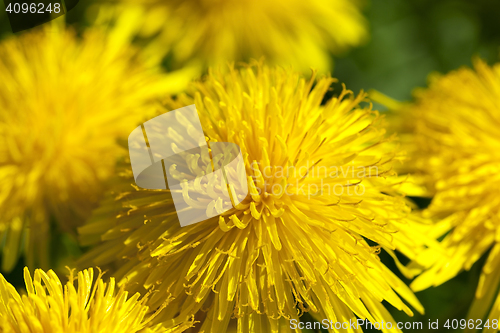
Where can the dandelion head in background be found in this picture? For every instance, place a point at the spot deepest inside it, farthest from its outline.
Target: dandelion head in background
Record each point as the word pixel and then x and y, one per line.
pixel 455 152
pixel 321 184
pixel 64 102
pixel 292 32
pixel 81 305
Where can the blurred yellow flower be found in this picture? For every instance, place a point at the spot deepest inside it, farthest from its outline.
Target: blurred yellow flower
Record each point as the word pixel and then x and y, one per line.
pixel 88 307
pixel 64 101
pixel 456 153
pixel 286 32
pixel 279 253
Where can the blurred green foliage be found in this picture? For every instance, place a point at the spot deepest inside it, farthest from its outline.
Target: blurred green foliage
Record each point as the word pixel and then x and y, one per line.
pixel 409 40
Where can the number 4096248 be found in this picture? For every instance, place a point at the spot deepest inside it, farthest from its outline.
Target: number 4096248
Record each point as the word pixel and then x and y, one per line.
pixel 33 8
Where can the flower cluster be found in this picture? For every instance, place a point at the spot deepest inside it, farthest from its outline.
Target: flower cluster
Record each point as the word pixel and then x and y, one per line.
pixel 295 234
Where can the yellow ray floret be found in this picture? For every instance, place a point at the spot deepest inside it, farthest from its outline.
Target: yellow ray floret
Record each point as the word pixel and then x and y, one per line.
pixel 455 151
pixel 86 306
pixel 64 101
pixel 291 32
pixel 321 189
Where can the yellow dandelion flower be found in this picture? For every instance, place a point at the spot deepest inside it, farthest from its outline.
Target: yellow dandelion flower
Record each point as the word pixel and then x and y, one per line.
pixel 456 152
pixel 89 306
pixel 291 32
pixel 64 101
pixel 321 185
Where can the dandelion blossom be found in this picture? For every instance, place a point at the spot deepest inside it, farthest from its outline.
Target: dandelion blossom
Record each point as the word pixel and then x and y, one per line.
pixel 456 151
pixel 321 185
pixel 64 101
pixel 88 306
pixel 294 32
